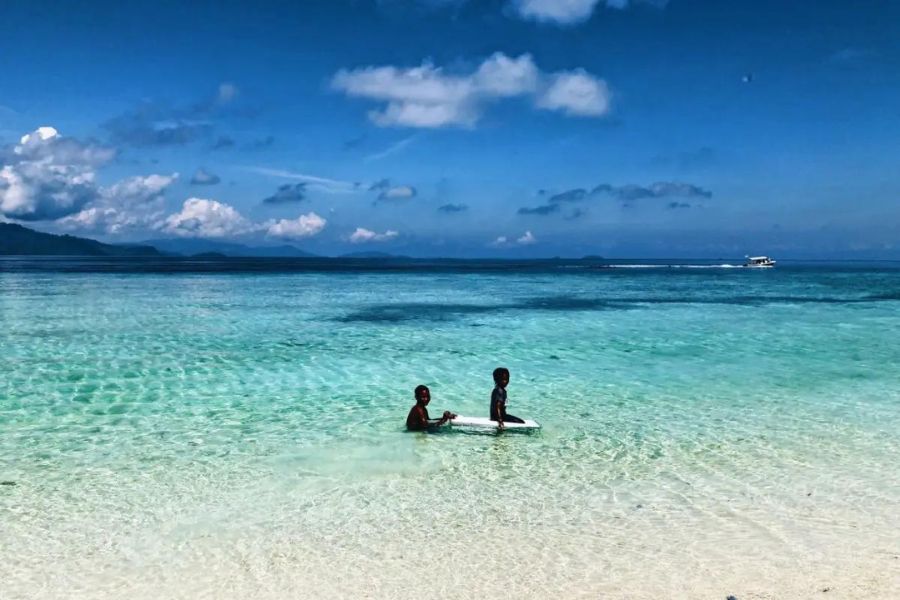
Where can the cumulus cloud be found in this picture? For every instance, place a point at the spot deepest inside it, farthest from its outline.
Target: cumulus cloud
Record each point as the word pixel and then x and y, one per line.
pixel 576 94
pixel 504 77
pixel 48 176
pixel 303 226
pixel 363 235
pixel 203 218
pixel 131 204
pixel 419 96
pixel 30 193
pixel 569 12
pixel 526 239
pixel 204 177
pixel 46 145
pixel 287 193
pixel 427 96
pixel 453 208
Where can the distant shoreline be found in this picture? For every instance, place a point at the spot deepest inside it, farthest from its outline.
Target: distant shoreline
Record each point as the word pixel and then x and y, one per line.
pixel 324 264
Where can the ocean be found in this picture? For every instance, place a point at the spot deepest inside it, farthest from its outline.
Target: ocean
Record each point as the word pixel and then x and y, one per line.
pixel 235 429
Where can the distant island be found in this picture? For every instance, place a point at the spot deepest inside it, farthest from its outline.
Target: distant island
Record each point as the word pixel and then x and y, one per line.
pixel 383 255
pixel 19 240
pixel 193 247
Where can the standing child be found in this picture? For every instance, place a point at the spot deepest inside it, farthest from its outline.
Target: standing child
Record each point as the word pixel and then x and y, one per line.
pixel 498 399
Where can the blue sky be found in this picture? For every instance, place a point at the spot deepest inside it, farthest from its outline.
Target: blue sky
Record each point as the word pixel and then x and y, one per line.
pixel 459 128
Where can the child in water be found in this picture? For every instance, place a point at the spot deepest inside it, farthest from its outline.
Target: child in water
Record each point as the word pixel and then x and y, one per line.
pixel 498 399
pixel 417 419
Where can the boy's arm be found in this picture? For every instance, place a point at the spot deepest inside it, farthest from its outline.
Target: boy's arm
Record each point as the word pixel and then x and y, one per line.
pixel 444 418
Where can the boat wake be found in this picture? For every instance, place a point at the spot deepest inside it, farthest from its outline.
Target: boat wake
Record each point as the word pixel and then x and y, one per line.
pixel 641 266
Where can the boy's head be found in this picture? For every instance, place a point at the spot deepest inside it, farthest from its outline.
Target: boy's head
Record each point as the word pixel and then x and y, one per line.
pixel 423 394
pixel 501 376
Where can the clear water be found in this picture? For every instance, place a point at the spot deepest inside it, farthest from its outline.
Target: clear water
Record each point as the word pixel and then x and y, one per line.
pixel 231 435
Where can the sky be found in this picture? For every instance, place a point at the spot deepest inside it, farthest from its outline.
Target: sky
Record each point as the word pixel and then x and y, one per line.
pixel 459 128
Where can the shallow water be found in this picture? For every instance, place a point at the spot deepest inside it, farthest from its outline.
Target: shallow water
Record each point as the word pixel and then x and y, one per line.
pixel 705 432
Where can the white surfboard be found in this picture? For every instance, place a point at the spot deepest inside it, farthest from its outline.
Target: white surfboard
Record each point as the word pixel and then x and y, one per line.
pixel 461 421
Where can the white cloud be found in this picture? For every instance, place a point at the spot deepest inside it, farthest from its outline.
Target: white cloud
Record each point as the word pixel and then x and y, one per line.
pixel 47 176
pixel 362 236
pixel 426 84
pixel 429 116
pixel 576 93
pixel 140 189
pixel 503 76
pixel 41 134
pixel 570 12
pixel 29 191
pixel 203 218
pixel 526 239
pixel 398 192
pixel 428 97
pixel 130 204
pixel 303 226
pixel 556 11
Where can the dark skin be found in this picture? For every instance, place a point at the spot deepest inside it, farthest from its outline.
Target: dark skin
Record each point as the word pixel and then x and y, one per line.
pixel 502 380
pixel 417 419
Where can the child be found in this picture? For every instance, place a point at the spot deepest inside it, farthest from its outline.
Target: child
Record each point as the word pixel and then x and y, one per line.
pixel 498 399
pixel 417 419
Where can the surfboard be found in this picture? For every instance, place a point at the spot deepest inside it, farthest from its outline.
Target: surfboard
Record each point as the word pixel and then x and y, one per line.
pixel 461 421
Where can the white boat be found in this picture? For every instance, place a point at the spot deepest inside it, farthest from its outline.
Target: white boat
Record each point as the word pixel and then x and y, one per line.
pixel 759 262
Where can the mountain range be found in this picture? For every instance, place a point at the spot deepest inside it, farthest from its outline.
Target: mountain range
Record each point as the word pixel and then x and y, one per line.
pixel 192 246
pixel 18 240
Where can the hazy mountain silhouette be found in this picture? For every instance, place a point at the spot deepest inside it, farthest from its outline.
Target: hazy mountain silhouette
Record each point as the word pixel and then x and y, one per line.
pixel 18 240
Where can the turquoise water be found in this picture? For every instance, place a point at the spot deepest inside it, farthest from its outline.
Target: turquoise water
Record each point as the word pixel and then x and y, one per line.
pixel 705 432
